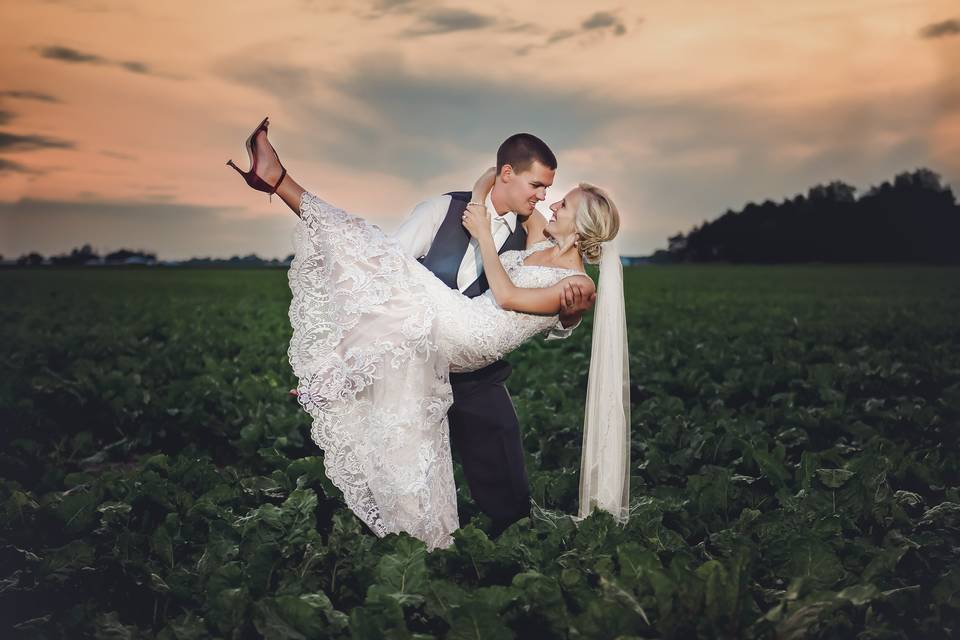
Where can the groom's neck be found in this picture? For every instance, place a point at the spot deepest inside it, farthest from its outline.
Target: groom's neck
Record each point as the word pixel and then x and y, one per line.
pixel 498 200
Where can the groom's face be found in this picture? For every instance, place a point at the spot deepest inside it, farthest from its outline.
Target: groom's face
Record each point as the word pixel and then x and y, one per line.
pixel 524 190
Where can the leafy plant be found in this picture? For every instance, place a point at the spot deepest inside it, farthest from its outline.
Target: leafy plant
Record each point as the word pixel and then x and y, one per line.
pixel 794 449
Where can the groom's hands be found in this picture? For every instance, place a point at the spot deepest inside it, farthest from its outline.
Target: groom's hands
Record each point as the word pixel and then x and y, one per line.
pixel 574 302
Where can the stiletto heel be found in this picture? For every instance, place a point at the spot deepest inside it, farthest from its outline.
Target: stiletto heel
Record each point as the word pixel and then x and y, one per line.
pixel 252 179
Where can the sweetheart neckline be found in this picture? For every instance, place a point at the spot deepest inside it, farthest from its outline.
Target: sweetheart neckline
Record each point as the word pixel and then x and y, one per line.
pixel 545 266
pixel 533 249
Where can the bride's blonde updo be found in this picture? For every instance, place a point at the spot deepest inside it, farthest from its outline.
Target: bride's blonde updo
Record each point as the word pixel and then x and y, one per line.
pixel 597 221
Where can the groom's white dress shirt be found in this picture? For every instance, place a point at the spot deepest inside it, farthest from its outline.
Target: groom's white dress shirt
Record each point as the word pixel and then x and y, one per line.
pixel 417 232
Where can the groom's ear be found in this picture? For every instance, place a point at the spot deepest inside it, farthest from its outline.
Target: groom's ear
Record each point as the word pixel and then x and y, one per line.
pixel 506 172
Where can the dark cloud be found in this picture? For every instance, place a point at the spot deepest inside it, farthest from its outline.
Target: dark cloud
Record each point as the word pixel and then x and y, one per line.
pixel 432 20
pixel 13 142
pixel 604 20
pixel 9 166
pixel 67 54
pixel 941 29
pixel 436 21
pixel 29 95
pixel 599 23
pixel 136 67
pixel 562 34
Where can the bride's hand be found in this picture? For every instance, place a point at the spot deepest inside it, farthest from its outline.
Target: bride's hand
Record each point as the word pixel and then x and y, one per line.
pixel 476 219
pixel 484 184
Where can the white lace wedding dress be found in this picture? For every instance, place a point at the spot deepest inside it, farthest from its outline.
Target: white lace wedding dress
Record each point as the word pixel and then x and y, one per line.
pixel 375 335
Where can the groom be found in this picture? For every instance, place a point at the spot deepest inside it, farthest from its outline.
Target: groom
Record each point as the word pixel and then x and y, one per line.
pixel 484 430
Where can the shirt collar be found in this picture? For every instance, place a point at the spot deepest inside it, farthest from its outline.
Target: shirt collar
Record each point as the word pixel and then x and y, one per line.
pixel 510 217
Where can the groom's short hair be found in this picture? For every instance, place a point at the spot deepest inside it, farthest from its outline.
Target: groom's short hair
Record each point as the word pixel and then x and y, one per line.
pixel 521 149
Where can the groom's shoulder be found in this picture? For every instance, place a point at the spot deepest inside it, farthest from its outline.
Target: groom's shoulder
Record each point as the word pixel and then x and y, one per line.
pixel 442 201
pixel 439 204
pixel 459 195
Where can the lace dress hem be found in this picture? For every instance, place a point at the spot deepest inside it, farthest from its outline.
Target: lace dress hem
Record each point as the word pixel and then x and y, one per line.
pixel 378 406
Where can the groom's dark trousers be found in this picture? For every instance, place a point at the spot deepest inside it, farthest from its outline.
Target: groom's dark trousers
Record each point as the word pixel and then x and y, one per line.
pixel 484 430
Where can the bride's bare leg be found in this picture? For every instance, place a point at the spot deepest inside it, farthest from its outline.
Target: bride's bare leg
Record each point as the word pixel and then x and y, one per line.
pixel 290 192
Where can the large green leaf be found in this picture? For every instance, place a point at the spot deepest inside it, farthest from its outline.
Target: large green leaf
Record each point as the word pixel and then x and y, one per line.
pixel 307 616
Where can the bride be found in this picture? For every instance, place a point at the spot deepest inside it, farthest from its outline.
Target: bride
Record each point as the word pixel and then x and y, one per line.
pixel 376 334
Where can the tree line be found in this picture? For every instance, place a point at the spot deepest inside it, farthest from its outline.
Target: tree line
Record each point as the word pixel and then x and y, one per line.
pixel 914 218
pixel 86 256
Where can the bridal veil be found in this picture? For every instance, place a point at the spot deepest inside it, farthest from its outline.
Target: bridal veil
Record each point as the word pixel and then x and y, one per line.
pixel 605 459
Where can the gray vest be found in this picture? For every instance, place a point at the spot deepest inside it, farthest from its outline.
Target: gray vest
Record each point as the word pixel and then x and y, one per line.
pixel 450 244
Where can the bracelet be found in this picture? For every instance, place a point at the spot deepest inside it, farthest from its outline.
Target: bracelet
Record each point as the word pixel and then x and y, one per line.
pixel 476 203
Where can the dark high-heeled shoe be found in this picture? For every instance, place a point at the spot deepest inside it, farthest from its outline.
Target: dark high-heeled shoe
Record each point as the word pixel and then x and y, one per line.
pixel 250 176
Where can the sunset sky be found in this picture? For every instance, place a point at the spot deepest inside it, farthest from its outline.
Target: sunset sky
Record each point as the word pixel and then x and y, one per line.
pixel 117 118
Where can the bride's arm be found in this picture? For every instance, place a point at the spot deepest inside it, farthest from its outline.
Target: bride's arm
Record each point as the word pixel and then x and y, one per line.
pixel 541 300
pixel 484 185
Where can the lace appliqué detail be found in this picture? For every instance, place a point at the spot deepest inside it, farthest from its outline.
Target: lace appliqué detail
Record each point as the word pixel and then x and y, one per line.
pixel 363 331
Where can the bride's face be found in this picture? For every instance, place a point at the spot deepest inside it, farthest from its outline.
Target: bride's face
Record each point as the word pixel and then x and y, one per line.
pixel 563 223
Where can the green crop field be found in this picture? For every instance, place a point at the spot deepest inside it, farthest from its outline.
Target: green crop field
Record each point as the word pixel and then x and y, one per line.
pixel 796 469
